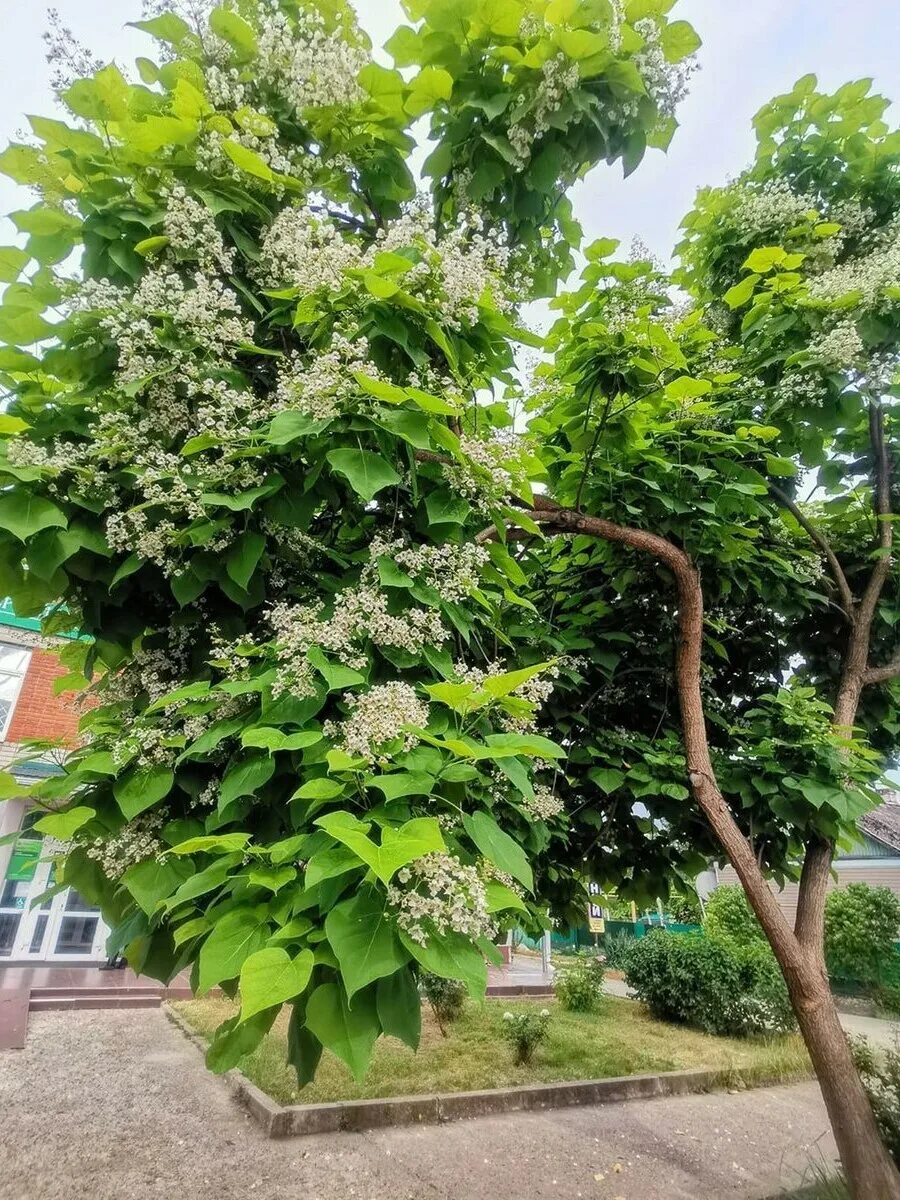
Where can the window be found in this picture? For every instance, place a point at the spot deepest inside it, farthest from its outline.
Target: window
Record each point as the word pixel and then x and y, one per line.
pixel 13 665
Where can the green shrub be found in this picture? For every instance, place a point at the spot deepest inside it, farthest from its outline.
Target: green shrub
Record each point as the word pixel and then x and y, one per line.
pixel 446 997
pixel 880 1074
pixel 525 1031
pixel 710 983
pixel 615 949
pixel 861 923
pixel 685 907
pixel 579 984
pixel 729 915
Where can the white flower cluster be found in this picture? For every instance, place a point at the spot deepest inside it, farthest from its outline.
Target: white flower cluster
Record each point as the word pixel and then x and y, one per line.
pixel 839 347
pixel 440 895
pixel 802 388
pixel 494 467
pixel 136 841
pixel 325 386
pixel 305 64
pixel 453 571
pixel 865 275
pixel 559 76
pixel 377 717
pixel 68 58
pixel 543 805
pixel 454 271
pixel 193 234
pixel 359 614
pixel 666 83
pixel 773 207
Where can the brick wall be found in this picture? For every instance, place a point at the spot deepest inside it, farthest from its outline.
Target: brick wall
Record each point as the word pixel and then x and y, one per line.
pixel 39 713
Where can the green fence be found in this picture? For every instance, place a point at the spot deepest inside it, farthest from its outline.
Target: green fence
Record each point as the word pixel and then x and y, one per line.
pixel 582 939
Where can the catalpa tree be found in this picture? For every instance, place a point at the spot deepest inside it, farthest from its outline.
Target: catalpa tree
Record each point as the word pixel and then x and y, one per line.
pixel 251 435
pixel 732 591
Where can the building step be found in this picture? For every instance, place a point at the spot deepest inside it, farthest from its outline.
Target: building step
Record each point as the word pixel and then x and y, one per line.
pixel 97 1000
pixel 88 990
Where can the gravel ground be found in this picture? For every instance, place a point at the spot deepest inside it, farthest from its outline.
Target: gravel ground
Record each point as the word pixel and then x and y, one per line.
pixel 118 1106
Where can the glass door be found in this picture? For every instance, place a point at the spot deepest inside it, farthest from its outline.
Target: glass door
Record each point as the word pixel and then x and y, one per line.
pixel 62 927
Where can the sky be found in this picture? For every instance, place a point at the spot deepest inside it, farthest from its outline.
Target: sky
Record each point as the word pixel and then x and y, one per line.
pixel 752 50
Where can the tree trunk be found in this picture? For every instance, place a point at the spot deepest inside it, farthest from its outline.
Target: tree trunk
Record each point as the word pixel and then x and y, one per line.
pixel 869 1169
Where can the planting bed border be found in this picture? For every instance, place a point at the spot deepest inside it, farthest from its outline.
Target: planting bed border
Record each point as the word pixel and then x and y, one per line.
pixel 300 1120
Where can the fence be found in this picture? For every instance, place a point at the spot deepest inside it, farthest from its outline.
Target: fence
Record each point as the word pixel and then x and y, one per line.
pixel 582 938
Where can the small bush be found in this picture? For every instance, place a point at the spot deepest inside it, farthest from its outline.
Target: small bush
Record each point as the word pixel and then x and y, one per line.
pixel 685 908
pixel 729 915
pixel 579 984
pixel 880 1074
pixel 713 984
pixel 525 1031
pixel 615 949
pixel 861 923
pixel 446 997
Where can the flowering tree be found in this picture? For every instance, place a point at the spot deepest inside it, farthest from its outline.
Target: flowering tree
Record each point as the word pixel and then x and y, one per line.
pixel 744 442
pixel 249 442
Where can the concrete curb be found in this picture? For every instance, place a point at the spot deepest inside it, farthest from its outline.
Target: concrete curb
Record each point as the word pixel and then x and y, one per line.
pixel 300 1120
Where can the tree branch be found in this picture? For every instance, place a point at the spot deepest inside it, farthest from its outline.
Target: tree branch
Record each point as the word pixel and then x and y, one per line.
pixel 881 504
pixel 837 571
pixel 888 670
pixel 809 926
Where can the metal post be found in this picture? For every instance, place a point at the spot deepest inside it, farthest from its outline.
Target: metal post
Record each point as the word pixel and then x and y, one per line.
pixel 545 953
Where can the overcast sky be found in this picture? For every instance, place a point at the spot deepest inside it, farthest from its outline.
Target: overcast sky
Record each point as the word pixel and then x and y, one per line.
pixel 752 50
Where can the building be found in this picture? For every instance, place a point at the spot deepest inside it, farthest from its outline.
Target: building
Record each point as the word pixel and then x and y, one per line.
pixel 874 859
pixel 36 923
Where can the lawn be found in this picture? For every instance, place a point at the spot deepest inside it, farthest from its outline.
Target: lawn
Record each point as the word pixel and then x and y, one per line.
pixel 619 1040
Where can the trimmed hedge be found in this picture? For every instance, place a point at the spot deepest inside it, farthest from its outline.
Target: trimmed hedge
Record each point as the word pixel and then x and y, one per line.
pixel 712 984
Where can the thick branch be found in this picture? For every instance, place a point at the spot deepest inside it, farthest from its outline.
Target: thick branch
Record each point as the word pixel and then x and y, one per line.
pixel 888 670
pixel 881 503
pixel 810 923
pixel 816 535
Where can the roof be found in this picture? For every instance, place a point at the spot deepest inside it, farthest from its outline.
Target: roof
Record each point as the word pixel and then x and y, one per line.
pixel 883 824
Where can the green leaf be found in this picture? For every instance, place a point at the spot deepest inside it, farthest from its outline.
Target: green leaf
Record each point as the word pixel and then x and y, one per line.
pixel 267 737
pixel 272 878
pixel 399 1007
pixel 319 789
pixel 401 783
pixel 417 837
pixel 271 977
pixel 498 847
pixel 742 293
pixel 364 940
pixel 607 779
pixel 248 160
pixel 780 466
pixel 349 1032
pixel 245 778
pixel 366 472
pixel 151 881
pixel 12 263
pixel 500 898
pixel 451 956
pixel 243 557
pixel 329 864
pixel 234 30
pixel 679 40
pixel 232 1042
pixel 427 89
pixel 236 936
pixel 764 259
pixel 141 788
pixel 24 514
pixel 218 843
pixel 63 825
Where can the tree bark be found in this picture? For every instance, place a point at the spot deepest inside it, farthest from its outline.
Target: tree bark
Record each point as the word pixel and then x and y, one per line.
pixel 869 1169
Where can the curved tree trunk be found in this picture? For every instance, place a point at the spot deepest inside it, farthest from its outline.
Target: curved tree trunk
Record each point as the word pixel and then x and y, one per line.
pixel 869 1169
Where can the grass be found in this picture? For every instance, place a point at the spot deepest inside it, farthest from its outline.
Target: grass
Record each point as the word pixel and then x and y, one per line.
pixel 619 1040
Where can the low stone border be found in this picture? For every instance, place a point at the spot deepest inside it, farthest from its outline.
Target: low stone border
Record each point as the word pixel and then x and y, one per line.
pixel 297 1120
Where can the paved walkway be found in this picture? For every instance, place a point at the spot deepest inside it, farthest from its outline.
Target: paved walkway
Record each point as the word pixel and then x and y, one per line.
pixel 113 1105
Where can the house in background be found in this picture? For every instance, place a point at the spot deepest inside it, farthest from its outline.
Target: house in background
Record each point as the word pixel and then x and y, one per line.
pixel 874 859
pixel 62 928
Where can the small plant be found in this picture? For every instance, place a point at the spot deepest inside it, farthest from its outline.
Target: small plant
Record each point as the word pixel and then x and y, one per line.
pixel 579 984
pixel 880 1074
pixel 615 949
pixel 446 997
pixel 525 1031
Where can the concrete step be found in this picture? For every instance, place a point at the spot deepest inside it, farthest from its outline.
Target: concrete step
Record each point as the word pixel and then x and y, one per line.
pixel 74 1003
pixel 116 990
